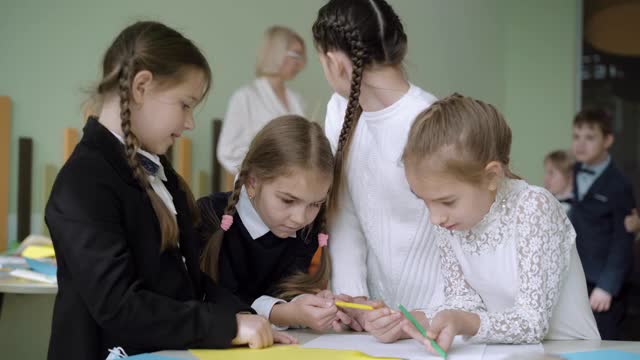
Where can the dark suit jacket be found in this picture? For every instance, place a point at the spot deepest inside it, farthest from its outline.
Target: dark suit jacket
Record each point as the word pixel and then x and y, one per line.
pixel 605 247
pixel 115 286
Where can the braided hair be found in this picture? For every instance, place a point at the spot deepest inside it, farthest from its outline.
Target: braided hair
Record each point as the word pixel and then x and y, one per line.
pixel 164 52
pixel 370 33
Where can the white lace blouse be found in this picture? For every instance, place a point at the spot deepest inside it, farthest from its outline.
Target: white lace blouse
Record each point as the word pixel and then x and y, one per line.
pixel 519 270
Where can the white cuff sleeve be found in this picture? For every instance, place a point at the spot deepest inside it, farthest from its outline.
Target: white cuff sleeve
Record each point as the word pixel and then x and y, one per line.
pixel 263 306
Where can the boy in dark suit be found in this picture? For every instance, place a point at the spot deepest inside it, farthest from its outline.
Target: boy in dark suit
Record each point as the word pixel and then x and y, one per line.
pixel 602 199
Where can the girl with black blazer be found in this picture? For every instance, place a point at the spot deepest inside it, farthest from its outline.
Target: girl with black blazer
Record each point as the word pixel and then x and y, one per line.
pixel 122 220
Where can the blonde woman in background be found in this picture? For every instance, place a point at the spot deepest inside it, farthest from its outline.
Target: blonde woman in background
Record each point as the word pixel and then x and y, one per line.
pixel 279 60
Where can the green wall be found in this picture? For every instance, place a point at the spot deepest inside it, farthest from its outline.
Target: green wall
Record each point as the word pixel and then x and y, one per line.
pixel 519 55
pixel 540 72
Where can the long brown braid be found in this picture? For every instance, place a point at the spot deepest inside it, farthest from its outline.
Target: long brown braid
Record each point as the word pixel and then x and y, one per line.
pixel 209 259
pixel 286 143
pixel 168 55
pixel 168 225
pixel 370 33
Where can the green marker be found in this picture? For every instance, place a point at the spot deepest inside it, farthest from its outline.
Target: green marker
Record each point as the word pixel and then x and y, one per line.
pixel 422 331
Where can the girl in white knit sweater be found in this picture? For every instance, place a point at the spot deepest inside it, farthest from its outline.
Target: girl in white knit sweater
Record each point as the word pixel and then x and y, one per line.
pixel 383 244
pixel 509 261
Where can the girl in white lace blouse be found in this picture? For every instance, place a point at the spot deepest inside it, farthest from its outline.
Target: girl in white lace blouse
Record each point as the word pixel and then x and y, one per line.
pixel 510 266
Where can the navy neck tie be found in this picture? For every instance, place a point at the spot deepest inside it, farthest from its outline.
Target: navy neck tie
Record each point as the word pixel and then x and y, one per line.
pixel 149 166
pixel 586 171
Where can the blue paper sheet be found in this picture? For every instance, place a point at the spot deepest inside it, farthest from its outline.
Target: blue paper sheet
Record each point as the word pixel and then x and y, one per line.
pixel 42 267
pixel 601 355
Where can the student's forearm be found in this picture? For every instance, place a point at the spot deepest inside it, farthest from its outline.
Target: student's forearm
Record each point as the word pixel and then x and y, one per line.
pixel 284 315
pixel 470 323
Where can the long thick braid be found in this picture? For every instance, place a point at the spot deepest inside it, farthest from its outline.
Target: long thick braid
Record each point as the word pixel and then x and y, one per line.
pixel 353 111
pixel 235 194
pixel 130 140
pixel 210 258
pixel 352 114
pixel 168 225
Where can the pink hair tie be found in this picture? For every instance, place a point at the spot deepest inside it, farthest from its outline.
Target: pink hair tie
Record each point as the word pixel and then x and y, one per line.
pixel 323 239
pixel 227 221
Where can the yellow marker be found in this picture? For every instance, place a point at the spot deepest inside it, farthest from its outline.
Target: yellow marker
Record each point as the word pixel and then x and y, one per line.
pixel 353 306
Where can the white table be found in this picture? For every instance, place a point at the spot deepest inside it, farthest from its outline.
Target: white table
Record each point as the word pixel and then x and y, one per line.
pixel 559 347
pixel 550 347
pixel 14 285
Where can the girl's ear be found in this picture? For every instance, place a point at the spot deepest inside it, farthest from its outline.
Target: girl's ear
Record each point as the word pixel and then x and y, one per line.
pixel 494 173
pixel 140 84
pixel 251 185
pixel 339 64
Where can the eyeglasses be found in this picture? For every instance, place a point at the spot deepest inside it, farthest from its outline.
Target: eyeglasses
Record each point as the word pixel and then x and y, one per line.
pixel 295 55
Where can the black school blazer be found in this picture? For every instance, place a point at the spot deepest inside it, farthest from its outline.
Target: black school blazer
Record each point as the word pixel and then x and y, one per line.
pixel 115 286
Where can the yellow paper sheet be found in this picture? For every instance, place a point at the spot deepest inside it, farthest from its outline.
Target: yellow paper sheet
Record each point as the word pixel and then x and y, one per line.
pixel 281 353
pixel 38 251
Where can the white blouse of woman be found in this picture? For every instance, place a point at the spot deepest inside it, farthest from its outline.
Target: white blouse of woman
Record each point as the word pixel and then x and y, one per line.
pixel 279 60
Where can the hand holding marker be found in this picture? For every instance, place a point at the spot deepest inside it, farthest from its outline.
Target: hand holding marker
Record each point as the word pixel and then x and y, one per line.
pixel 349 305
pixel 406 313
pixel 415 323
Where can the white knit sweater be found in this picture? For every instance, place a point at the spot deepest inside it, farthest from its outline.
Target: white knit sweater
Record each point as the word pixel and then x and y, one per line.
pixel 382 242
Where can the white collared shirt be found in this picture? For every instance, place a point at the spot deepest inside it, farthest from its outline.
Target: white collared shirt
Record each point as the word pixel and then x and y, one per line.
pixel 257 229
pixel 156 181
pixel 584 180
pixel 250 217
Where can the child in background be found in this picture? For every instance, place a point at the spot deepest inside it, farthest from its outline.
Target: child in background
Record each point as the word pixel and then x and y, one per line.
pixel 121 219
pixel 558 176
pixel 511 270
pixel 259 239
pixel 603 197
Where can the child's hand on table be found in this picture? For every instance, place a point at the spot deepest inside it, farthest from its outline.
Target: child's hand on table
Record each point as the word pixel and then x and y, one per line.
pixel 444 327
